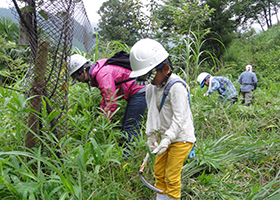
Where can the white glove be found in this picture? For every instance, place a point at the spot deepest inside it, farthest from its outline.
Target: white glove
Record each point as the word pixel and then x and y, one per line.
pixel 162 146
pixel 206 95
pixel 152 142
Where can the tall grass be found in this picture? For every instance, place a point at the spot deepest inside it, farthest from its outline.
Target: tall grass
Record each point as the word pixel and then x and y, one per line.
pixel 190 56
pixel 237 150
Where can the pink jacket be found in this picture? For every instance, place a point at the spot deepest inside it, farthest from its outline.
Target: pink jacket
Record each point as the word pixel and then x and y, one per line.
pixel 105 78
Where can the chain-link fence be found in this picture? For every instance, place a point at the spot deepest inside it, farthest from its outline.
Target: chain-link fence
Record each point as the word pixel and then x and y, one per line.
pixel 48 27
pixel 83 29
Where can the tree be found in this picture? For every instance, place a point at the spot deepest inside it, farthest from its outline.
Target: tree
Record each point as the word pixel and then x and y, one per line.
pixel 177 17
pixel 221 25
pixel 121 21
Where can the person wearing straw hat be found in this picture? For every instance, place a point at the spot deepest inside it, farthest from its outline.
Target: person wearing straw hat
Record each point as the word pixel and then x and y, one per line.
pixel 172 120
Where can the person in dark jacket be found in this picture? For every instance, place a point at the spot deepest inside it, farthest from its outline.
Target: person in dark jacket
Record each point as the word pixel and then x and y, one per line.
pixel 249 83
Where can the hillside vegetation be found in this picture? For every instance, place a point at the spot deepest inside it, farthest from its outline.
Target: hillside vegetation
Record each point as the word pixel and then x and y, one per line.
pixel 261 51
pixel 237 149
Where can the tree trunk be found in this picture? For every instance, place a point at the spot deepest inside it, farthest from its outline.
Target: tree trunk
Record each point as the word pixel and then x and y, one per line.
pixel 265 16
pixel 269 14
pixel 38 87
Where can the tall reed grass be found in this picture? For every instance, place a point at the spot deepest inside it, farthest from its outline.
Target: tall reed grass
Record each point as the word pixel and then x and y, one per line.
pixel 237 150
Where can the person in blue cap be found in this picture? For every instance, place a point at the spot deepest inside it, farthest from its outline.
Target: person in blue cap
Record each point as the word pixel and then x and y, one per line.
pixel 222 84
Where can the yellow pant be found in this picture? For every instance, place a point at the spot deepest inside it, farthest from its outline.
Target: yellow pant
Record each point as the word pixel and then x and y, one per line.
pixel 168 167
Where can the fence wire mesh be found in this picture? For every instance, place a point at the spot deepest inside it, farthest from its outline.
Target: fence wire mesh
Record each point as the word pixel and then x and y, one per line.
pixel 49 27
pixel 83 29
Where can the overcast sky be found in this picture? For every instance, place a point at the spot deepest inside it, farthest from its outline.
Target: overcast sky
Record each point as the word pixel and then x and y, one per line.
pixel 91 6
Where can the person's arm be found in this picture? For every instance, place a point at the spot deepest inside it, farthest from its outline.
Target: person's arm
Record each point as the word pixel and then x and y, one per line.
pixel 240 79
pixel 255 81
pixel 107 87
pixel 153 112
pixel 180 106
pixel 215 86
pixel 255 85
pixel 152 118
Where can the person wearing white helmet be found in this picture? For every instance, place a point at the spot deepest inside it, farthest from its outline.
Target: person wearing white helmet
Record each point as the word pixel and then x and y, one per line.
pixel 172 118
pixel 112 79
pixel 78 64
pixel 222 84
pixel 249 83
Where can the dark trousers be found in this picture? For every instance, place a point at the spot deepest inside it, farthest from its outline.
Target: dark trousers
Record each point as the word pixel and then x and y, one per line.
pixel 134 112
pixel 232 100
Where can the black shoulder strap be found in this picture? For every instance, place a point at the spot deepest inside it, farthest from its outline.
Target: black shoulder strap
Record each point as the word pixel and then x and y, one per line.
pixel 124 81
pixel 121 58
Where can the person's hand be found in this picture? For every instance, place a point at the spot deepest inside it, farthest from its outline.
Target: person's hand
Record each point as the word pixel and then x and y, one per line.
pixel 152 142
pixel 206 95
pixel 162 146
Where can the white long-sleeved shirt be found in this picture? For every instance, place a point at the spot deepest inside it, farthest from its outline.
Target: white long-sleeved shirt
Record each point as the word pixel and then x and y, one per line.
pixel 175 118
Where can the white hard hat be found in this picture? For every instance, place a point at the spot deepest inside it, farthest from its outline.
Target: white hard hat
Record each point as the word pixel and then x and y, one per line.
pixel 145 55
pixel 202 77
pixel 76 61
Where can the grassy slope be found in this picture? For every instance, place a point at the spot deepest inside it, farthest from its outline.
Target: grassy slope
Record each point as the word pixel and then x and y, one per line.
pixel 237 151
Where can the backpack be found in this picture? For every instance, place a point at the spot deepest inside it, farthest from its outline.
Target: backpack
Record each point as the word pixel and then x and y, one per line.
pixel 120 58
pixel 165 93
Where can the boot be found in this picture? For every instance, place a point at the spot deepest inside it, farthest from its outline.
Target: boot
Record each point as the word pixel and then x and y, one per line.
pixel 162 196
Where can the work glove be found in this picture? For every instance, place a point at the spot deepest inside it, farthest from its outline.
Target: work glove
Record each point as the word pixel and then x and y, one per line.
pixel 152 142
pixel 206 95
pixel 165 142
pixel 255 86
